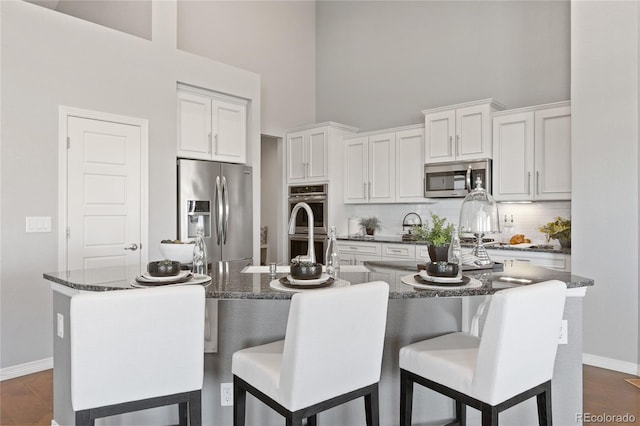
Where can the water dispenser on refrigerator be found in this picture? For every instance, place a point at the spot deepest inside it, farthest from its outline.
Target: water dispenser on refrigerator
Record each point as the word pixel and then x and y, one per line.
pixel 198 210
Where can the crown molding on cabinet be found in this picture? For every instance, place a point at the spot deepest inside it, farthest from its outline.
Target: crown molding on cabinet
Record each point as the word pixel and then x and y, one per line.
pixel 532 108
pixel 491 101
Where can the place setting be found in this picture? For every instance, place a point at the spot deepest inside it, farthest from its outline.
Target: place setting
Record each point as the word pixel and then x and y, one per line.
pixel 306 276
pixel 167 272
pixel 440 275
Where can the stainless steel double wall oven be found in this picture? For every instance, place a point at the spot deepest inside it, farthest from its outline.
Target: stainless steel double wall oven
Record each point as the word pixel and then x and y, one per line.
pixel 316 197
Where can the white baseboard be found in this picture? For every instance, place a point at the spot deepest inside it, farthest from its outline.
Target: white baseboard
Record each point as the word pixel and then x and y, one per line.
pixel 611 364
pixel 27 368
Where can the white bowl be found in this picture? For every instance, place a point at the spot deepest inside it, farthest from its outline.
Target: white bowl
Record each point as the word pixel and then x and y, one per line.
pixel 181 252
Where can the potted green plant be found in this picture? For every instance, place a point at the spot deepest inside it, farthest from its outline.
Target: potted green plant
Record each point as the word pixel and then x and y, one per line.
pixel 559 229
pixel 370 224
pixel 438 236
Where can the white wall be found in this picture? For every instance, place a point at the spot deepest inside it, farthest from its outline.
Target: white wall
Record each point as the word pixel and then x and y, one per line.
pixel 379 63
pixel 51 59
pixel 129 16
pixel 275 39
pixel 605 96
pixel 271 193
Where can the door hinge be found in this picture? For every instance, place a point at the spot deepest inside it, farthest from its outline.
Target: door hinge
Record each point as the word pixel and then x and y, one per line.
pixel 68 142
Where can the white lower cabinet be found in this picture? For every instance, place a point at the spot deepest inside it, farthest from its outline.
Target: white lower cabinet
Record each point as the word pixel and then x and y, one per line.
pixel 398 251
pixel 559 261
pixel 357 252
pixel 422 252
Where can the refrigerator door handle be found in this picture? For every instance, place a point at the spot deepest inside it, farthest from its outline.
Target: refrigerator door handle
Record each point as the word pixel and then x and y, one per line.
pixel 225 198
pixel 219 211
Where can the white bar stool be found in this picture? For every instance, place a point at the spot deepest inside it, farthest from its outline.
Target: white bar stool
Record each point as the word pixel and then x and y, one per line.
pixel 137 349
pixel 512 361
pixel 331 354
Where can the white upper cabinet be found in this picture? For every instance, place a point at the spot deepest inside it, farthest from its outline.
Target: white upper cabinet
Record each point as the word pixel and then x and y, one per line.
pixel 308 155
pixel 356 170
pixel 532 153
pixel 384 166
pixel 513 156
pixel 211 126
pixel 194 125
pixel 312 152
pixel 410 165
pixel 370 169
pixel 553 153
pixel 459 132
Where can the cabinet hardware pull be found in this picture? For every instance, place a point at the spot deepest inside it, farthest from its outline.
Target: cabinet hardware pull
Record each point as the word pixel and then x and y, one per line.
pixel 215 145
pixel 369 190
pixel 364 189
pixel 457 145
pixel 450 145
pixel 529 183
pixel 537 182
pixel 210 142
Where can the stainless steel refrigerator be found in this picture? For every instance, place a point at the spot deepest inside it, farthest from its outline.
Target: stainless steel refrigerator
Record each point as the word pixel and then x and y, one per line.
pixel 219 195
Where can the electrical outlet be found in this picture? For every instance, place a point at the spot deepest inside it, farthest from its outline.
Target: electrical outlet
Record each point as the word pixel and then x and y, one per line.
pixel 226 394
pixel 60 326
pixel 563 339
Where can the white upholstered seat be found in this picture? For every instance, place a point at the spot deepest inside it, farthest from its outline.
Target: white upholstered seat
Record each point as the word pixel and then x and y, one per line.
pixel 332 353
pixel 511 362
pixel 137 349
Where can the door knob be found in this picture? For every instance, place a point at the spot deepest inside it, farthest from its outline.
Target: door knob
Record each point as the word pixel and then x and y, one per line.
pixel 132 247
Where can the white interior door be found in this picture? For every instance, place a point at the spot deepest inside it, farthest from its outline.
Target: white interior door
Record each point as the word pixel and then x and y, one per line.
pixel 104 194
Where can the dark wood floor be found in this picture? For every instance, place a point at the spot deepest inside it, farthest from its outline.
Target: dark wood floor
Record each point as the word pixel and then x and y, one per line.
pixel 28 400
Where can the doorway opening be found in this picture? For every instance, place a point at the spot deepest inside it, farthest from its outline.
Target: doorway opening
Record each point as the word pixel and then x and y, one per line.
pixel 271 199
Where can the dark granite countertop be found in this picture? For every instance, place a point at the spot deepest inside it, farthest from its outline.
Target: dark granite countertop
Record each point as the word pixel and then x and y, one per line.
pixel 229 282
pixel 540 248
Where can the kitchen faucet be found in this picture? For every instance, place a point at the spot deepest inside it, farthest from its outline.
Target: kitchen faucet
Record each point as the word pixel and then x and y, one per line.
pixel 311 254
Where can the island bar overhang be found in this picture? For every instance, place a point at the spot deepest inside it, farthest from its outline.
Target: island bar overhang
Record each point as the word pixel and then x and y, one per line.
pixel 249 312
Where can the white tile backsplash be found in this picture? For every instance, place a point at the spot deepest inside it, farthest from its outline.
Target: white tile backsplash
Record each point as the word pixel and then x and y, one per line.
pixel 527 217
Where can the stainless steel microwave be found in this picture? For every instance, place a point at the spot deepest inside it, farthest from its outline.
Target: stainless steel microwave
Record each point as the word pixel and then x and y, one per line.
pixel 455 179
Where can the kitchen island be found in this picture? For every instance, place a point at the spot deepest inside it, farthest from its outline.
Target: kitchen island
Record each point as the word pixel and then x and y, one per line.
pixel 245 311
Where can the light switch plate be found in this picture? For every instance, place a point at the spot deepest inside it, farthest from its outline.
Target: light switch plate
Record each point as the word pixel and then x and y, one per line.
pixel 38 224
